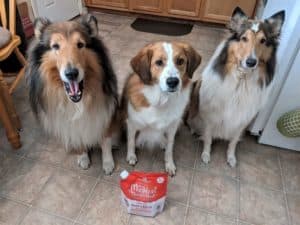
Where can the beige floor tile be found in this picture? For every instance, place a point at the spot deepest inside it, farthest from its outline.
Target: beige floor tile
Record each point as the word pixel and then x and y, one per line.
pixel 23 181
pixel 218 163
pixel 178 187
pixel 262 207
pixel 197 217
pixel 65 193
pixel 36 217
pixel 215 193
pixel 291 167
pixel 47 150
pixel 7 160
pixel 11 212
pixel 95 169
pixel 294 208
pixel 173 214
pixel 261 169
pixel 104 207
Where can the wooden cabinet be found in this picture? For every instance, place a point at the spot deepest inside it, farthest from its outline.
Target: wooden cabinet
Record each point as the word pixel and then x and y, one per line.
pixel 218 11
pixel 221 11
pixel 184 8
pixel 109 3
pixel 156 6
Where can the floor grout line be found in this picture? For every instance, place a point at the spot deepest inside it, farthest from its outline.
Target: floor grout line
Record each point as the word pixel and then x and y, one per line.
pixel 191 185
pixel 87 199
pixel 284 189
pixel 238 195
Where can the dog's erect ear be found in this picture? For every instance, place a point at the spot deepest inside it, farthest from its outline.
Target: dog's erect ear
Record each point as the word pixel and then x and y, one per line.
pixel 193 59
pixel 91 23
pixel 276 21
pixel 238 18
pixel 141 64
pixel 39 26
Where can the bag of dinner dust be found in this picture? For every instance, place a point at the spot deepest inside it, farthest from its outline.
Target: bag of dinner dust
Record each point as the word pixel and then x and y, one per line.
pixel 142 193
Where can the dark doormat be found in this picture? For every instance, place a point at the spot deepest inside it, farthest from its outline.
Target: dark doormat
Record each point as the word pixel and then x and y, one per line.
pixel 161 27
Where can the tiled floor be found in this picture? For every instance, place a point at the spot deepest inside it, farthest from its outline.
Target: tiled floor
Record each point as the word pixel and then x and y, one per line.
pixel 42 185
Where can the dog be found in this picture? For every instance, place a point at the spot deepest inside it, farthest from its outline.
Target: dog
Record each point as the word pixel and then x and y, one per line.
pixel 156 95
pixel 236 81
pixel 72 86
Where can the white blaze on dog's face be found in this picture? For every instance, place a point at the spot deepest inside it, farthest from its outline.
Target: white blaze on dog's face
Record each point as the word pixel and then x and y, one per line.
pixel 168 64
pixel 253 41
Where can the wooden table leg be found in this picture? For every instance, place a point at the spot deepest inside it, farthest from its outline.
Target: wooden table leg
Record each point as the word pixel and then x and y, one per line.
pixel 11 132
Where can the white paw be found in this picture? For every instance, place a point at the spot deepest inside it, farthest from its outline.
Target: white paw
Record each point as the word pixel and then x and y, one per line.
pixel 171 168
pixel 83 161
pixel 205 157
pixel 131 159
pixel 231 160
pixel 108 167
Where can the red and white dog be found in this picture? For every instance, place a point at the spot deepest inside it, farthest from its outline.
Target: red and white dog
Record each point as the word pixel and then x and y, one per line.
pixel 237 80
pixel 156 96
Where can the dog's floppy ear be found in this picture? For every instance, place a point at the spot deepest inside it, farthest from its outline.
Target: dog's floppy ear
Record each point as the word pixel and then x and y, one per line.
pixel 91 23
pixel 238 19
pixel 193 60
pixel 276 22
pixel 141 64
pixel 39 26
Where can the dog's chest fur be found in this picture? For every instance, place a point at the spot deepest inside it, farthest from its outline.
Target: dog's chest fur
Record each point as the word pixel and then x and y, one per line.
pixel 77 125
pixel 228 105
pixel 165 110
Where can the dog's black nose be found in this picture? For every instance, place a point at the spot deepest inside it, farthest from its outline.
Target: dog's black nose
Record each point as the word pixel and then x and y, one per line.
pixel 172 82
pixel 251 62
pixel 71 73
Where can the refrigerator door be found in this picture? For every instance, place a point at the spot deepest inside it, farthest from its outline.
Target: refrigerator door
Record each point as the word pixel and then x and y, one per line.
pixel 56 10
pixel 285 56
pixel 289 99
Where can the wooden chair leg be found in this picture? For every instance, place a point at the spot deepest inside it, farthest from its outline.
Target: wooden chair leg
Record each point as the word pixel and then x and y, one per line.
pixel 11 132
pixel 8 101
pixel 16 81
pixel 20 56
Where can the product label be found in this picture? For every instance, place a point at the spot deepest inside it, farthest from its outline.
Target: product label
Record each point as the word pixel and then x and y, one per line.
pixel 144 193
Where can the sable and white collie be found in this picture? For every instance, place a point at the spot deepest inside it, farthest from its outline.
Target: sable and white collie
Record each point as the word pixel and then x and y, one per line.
pixel 237 80
pixel 73 88
pixel 156 95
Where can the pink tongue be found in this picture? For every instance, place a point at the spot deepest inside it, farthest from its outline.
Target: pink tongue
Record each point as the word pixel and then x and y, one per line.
pixel 74 88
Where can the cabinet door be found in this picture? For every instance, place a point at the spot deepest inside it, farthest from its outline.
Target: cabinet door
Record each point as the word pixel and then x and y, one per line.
pixel 220 11
pixel 147 5
pixel 184 8
pixel 110 3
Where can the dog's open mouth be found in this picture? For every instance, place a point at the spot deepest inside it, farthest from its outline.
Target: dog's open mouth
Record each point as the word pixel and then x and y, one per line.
pixel 74 90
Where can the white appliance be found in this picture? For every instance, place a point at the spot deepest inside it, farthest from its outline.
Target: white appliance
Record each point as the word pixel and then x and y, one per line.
pixel 285 95
pixel 56 10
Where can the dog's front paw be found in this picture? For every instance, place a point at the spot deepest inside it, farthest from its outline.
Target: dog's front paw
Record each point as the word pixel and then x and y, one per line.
pixel 108 167
pixel 131 159
pixel 205 157
pixel 83 161
pixel 171 168
pixel 231 160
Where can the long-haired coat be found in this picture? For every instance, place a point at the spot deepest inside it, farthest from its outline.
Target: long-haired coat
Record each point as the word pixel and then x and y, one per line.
pixel 73 88
pixel 237 80
pixel 156 96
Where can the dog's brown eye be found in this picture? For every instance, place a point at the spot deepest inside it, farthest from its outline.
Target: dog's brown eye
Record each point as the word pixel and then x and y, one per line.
pixel 179 61
pixel 80 45
pixel 244 39
pixel 55 46
pixel 159 62
pixel 263 40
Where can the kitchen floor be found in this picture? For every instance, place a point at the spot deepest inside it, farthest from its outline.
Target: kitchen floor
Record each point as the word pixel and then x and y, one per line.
pixel 40 184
